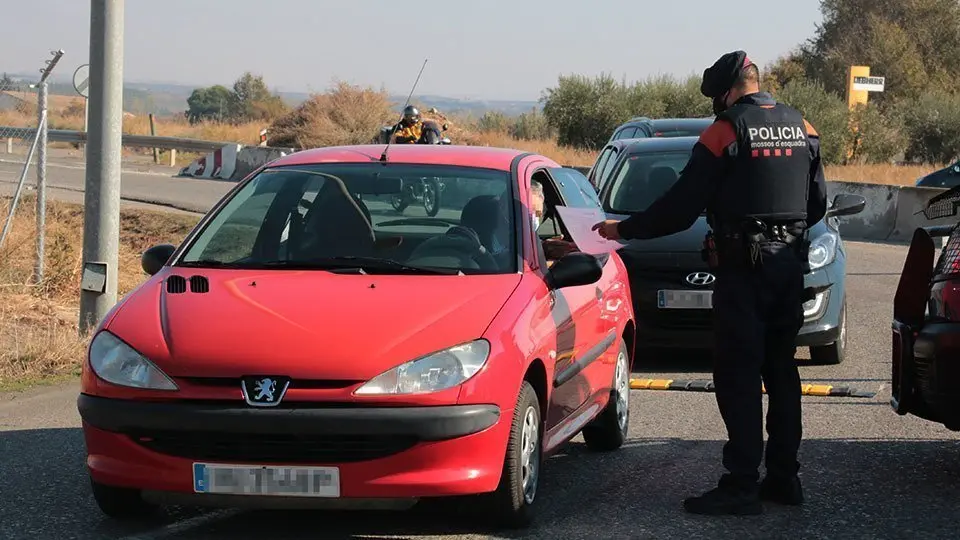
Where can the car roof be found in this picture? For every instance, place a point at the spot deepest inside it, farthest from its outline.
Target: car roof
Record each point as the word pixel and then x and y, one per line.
pixel 431 154
pixel 654 144
pixel 673 123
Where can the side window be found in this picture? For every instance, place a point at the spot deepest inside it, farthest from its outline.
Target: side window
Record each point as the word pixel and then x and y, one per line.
pixel 604 173
pixel 627 133
pixel 576 188
pixel 598 166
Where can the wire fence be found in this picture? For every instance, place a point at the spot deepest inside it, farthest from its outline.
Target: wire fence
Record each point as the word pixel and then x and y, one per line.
pixel 24 141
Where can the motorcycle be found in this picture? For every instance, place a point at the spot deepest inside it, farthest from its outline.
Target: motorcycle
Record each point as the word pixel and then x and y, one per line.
pixel 425 191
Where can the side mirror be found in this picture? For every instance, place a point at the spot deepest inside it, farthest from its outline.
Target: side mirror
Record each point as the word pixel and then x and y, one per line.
pixel 574 269
pixel 154 258
pixel 847 204
pixel 956 169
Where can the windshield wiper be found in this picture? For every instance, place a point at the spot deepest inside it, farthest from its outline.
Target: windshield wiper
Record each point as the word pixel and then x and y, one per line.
pixel 363 263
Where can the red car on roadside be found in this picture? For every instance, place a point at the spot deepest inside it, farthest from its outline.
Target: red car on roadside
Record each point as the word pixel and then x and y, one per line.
pixel 307 342
pixel 926 321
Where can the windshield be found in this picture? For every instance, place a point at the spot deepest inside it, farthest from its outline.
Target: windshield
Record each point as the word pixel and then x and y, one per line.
pixel 678 133
pixel 643 178
pixel 364 217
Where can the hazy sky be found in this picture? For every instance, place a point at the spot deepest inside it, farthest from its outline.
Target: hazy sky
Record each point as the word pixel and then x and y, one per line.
pixel 493 49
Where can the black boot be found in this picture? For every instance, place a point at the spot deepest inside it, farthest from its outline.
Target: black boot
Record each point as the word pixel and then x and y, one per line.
pixel 727 498
pixel 786 491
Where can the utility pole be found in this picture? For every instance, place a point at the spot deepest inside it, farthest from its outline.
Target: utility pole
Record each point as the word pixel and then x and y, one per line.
pixel 101 223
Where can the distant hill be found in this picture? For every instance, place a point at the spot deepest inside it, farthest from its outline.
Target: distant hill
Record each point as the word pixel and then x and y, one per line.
pixel 169 98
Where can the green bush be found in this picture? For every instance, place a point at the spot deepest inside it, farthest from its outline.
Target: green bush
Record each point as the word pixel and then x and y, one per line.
pixel 531 126
pixel 932 124
pixel 826 111
pixel 879 137
pixel 492 121
pixel 585 111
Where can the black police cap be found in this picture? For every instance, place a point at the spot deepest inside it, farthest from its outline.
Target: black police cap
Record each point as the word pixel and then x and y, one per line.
pixel 719 78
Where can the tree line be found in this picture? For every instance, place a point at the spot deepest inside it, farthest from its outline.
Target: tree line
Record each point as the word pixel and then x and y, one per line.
pixel 914 44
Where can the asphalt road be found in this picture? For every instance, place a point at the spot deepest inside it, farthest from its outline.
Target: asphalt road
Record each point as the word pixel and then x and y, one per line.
pixel 868 473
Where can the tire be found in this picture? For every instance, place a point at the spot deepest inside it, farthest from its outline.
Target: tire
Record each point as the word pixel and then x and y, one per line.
pixel 836 352
pixel 399 202
pixel 431 197
pixel 123 504
pixel 609 430
pixel 511 505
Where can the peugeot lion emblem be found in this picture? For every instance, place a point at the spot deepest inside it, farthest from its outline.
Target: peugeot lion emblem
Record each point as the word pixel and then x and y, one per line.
pixel 700 278
pixel 264 391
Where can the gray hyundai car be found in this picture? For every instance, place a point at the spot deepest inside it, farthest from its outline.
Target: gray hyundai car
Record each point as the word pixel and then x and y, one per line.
pixel 672 286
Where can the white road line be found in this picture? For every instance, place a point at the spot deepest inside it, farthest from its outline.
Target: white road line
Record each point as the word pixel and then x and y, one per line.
pixel 183 526
pixel 76 168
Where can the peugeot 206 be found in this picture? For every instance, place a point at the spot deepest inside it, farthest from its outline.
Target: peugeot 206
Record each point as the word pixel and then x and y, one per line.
pixel 306 342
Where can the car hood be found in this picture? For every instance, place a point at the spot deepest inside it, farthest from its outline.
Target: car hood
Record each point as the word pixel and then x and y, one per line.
pixel 304 324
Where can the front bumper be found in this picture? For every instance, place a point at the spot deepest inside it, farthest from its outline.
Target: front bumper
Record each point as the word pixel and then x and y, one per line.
pixel 925 373
pixel 693 328
pixel 396 452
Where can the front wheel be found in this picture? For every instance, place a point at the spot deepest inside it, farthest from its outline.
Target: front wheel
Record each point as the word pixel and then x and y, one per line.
pixel 834 353
pixel 431 197
pixel 512 504
pixel 609 430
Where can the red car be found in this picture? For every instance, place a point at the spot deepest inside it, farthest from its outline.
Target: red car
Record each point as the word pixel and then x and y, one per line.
pixel 307 340
pixel 925 377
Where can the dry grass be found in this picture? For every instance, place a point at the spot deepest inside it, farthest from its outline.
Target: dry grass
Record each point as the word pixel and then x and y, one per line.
pixel 39 336
pixel 903 175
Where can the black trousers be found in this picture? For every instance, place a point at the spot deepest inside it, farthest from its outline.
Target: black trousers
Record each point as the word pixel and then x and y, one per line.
pixel 757 315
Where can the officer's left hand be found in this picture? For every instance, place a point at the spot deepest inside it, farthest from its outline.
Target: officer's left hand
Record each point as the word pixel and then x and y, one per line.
pixel 608 229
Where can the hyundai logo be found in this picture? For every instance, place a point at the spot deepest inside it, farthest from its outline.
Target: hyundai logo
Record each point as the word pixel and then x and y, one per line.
pixel 700 278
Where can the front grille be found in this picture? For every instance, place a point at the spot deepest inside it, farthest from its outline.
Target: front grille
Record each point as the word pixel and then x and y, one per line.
pixel 645 284
pixel 287 449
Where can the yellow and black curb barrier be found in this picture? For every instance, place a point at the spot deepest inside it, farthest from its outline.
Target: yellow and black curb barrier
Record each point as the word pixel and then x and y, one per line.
pixel 676 385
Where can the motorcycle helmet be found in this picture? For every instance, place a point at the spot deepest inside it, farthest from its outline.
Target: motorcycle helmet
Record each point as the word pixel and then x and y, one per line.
pixel 410 115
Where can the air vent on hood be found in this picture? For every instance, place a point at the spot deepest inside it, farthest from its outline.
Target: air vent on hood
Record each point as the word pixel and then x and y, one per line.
pixel 199 284
pixel 176 285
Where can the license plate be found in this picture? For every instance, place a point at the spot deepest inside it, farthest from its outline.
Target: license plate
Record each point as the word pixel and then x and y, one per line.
pixel 685 299
pixel 263 480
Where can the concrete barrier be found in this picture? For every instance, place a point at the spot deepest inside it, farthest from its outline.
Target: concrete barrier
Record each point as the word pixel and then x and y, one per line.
pixel 891 214
pixel 879 216
pixel 217 164
pixel 252 157
pixel 233 162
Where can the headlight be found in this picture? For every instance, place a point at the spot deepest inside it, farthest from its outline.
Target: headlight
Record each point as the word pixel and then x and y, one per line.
pixel 116 362
pixel 432 373
pixel 823 250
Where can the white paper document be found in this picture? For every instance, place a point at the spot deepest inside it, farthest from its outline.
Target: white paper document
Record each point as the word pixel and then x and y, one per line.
pixel 580 221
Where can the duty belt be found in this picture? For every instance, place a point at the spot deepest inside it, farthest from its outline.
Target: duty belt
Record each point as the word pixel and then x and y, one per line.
pixel 775 233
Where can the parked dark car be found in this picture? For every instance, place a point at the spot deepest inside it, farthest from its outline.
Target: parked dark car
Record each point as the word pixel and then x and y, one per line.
pixel 925 375
pixel 947 177
pixel 671 285
pixel 642 127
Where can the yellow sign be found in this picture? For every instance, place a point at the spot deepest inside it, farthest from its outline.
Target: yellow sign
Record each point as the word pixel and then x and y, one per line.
pixel 856 93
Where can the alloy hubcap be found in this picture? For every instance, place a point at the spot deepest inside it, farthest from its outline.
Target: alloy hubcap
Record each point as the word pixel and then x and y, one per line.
pixel 623 391
pixel 530 454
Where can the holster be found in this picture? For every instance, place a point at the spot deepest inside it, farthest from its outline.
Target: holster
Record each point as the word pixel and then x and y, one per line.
pixel 709 252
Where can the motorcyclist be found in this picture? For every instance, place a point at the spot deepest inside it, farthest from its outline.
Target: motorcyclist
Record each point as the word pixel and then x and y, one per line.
pixel 412 129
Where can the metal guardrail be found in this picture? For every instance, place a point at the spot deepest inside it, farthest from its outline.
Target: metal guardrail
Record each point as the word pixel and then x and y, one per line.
pixel 143 141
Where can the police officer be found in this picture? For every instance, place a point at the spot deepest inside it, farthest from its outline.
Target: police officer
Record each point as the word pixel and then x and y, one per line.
pixel 756 171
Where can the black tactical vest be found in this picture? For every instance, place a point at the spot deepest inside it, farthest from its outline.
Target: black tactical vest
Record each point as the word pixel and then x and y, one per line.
pixel 768 177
